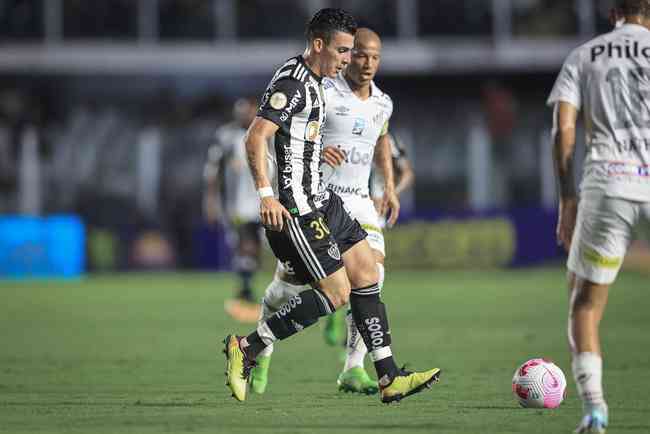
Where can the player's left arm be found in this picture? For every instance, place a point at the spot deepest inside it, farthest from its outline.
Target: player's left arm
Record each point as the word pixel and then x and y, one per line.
pixel 384 161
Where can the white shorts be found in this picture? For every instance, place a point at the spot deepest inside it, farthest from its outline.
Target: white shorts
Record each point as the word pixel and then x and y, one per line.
pixel 363 209
pixel 603 232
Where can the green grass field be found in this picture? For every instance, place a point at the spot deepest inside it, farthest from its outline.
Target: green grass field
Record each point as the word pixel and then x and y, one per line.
pixel 138 353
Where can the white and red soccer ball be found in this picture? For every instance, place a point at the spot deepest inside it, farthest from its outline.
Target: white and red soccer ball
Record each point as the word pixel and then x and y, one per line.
pixel 539 383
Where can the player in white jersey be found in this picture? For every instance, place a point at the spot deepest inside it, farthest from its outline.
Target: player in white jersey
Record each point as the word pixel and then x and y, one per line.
pixel 608 79
pixel 227 199
pixel 354 135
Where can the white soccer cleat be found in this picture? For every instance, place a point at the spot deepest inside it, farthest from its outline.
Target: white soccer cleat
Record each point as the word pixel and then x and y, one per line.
pixel 594 422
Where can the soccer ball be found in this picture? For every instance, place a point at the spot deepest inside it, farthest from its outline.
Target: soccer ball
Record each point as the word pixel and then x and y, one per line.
pixel 539 383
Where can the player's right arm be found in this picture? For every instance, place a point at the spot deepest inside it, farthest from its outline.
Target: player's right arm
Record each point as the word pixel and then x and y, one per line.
pixel 272 213
pixel 564 141
pixel 566 100
pixel 282 99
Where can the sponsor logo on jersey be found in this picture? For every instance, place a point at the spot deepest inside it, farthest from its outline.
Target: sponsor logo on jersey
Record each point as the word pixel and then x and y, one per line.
pixel 344 189
pixel 278 100
pixel 313 129
pixel 626 50
pixel 341 110
pixel 295 100
pixel 359 126
pixel 334 252
pixel 353 156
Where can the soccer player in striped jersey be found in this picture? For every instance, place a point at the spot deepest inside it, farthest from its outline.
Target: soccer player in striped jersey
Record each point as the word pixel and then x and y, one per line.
pixel 356 132
pixel 607 79
pixel 308 228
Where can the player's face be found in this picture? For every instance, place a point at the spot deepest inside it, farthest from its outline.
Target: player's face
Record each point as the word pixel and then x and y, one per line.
pixel 335 56
pixel 365 62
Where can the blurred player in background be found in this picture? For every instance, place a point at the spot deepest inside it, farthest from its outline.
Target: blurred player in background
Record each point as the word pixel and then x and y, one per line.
pixel 403 173
pixel 608 79
pixel 228 199
pixel 307 226
pixel 355 133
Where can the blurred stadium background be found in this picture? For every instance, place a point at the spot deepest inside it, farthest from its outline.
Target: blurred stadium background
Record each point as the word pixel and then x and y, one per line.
pixel 107 109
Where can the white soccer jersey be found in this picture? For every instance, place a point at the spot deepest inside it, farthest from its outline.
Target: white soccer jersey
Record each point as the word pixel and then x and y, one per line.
pixel 608 78
pixel 240 193
pixel 354 126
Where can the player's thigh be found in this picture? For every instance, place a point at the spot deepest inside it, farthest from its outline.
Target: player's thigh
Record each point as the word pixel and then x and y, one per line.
pixel 249 237
pixel 602 235
pixel 364 211
pixel 345 229
pixel 360 264
pixel 336 286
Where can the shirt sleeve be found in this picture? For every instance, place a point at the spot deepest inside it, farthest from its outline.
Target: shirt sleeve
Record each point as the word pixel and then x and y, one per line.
pixel 282 100
pixel 567 84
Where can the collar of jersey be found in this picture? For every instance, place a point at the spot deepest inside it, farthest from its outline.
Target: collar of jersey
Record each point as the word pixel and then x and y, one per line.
pixel 314 76
pixel 343 84
pixel 633 27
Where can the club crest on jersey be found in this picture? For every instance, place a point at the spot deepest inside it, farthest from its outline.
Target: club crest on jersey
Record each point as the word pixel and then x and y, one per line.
pixel 378 118
pixel 313 129
pixel 334 252
pixel 359 126
pixel 278 100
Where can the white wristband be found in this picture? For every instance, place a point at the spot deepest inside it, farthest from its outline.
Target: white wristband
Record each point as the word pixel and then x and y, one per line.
pixel 265 192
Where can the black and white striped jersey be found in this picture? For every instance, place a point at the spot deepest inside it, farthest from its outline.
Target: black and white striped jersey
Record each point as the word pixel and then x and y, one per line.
pixel 294 100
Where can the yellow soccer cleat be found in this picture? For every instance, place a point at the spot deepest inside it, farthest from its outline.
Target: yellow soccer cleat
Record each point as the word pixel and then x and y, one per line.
pixel 238 367
pixel 407 383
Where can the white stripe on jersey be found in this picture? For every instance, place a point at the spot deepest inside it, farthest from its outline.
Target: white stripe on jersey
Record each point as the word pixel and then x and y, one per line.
pixel 283 74
pixel 318 145
pixel 298 71
pixel 298 128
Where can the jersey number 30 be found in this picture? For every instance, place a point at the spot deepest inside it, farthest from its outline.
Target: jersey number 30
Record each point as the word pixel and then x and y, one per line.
pixel 320 227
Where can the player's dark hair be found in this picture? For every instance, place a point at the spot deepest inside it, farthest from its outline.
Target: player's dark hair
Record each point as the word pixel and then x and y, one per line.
pixel 634 7
pixel 328 21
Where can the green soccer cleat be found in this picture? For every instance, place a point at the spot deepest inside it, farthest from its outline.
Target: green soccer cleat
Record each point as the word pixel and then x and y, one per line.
pixel 260 374
pixel 238 367
pixel 357 380
pixel 334 332
pixel 406 384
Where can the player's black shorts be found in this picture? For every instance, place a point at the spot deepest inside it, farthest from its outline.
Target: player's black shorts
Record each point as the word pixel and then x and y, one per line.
pixel 249 231
pixel 310 246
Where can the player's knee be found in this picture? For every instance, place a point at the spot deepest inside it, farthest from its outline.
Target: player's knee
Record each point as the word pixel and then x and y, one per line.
pixel 366 275
pixel 340 297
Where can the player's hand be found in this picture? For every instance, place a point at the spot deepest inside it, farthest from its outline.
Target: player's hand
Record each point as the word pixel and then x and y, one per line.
pixel 390 201
pixel 333 155
pixel 566 221
pixel 272 213
pixel 211 210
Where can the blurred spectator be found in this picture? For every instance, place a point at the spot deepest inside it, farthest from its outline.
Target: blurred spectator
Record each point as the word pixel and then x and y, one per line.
pixel 534 18
pixel 186 19
pixel 21 19
pixel 105 19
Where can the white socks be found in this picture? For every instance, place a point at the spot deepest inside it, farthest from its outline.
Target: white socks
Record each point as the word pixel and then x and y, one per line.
pixel 588 375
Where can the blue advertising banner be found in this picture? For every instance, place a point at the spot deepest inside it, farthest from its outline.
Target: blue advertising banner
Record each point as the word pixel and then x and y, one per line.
pixel 41 246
